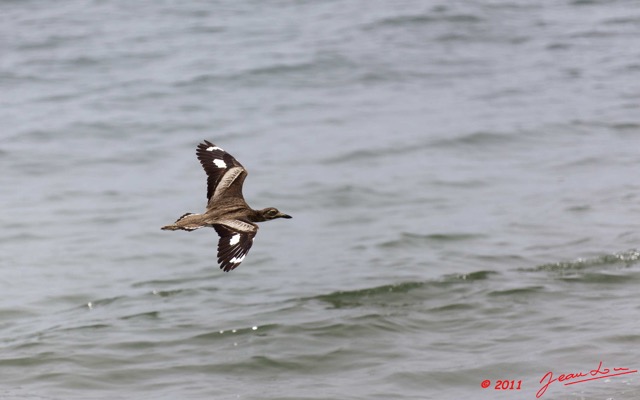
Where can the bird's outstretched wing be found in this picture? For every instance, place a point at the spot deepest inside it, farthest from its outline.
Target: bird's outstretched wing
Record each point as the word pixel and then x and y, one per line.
pixel 236 238
pixel 225 175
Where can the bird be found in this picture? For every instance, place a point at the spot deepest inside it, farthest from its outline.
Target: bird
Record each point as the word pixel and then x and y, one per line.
pixel 227 211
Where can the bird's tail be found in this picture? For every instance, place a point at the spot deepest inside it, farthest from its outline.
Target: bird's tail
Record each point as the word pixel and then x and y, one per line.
pixel 175 227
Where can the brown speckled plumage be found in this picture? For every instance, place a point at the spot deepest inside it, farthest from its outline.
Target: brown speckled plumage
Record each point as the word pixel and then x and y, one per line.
pixel 227 212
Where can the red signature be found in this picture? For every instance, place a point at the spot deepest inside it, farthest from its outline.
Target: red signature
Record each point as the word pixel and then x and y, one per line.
pixel 597 373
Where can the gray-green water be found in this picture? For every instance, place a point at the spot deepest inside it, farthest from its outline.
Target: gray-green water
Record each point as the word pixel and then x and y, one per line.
pixel 463 177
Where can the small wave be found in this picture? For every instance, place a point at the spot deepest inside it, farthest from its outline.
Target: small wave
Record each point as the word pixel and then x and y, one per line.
pixel 588 2
pixel 455 307
pixel 50 42
pixel 594 34
pixel 517 291
pixel 397 294
pixel 627 258
pixel 323 69
pixel 206 275
pixel 422 19
pixel 105 301
pixel 372 154
pixel 168 293
pixel 476 139
pixel 19 394
pixel 357 298
pixel 145 315
pixel 626 126
pixel 89 327
pixel 259 330
pixel 413 239
pixel 601 277
pixel 351 195
pixel 348 157
pixel 623 21
pixel 473 276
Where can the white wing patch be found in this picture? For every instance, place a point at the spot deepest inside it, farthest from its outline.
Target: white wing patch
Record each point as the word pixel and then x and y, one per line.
pixel 237 260
pixel 212 148
pixel 234 244
pixel 220 163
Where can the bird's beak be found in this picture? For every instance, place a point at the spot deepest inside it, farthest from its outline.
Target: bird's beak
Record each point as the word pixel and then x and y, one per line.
pixel 281 215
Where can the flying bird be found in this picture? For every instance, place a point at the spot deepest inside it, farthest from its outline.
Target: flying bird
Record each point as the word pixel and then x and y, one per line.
pixel 227 212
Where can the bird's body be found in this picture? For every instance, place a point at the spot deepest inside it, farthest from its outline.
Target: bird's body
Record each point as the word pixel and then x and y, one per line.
pixel 227 212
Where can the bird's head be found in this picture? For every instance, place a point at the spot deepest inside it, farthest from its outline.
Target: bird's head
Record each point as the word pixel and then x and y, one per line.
pixel 272 213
